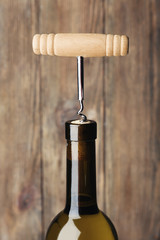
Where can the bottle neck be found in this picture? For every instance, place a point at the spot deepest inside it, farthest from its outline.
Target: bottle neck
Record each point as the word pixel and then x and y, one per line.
pixel 81 178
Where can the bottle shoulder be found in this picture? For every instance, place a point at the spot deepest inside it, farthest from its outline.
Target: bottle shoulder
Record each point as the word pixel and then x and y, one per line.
pixel 94 226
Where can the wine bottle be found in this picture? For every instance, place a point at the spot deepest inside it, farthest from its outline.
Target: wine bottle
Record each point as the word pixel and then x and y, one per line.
pixel 81 218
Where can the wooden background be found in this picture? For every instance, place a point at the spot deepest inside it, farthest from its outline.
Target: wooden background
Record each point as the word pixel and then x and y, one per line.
pixel 38 94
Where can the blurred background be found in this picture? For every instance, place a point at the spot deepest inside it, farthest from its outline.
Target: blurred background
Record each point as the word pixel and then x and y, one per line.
pixel 39 93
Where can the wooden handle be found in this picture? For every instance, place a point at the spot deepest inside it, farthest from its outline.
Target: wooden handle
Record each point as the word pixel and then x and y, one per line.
pixel 79 44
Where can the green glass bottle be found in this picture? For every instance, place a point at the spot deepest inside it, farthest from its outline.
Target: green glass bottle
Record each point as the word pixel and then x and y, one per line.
pixel 81 219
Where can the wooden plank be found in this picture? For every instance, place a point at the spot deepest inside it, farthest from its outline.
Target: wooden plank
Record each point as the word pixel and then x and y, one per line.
pixel 132 99
pixel 38 94
pixel 20 175
pixel 59 96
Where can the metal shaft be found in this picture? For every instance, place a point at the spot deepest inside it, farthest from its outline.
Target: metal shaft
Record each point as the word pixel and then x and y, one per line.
pixel 80 78
pixel 80 84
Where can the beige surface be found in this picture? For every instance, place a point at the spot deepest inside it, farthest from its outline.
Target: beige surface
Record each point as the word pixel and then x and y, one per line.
pixel 82 44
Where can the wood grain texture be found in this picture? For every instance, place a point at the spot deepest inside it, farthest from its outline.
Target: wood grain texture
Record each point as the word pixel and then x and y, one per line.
pixel 132 113
pixel 38 94
pixel 20 174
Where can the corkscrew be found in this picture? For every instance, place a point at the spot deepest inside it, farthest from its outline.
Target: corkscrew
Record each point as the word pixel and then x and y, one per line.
pixel 80 86
pixel 80 45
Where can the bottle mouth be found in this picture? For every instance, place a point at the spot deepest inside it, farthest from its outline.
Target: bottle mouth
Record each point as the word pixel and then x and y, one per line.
pixel 77 130
pixel 78 121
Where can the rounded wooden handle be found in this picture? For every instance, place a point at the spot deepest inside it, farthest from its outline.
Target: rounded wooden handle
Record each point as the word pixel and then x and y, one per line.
pixel 80 44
